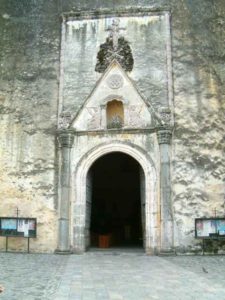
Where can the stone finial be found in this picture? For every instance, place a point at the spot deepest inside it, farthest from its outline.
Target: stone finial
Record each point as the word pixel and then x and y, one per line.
pixel 115 32
pixel 164 135
pixel 66 138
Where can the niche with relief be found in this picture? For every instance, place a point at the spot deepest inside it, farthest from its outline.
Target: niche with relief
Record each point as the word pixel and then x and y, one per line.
pixel 114 103
pixel 114 114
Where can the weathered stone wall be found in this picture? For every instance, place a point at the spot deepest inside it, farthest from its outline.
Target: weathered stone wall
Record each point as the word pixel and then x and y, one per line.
pixel 29 68
pixel 198 145
pixel 29 59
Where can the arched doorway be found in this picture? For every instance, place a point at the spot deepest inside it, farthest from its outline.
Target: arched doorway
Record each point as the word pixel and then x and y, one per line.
pixel 82 195
pixel 116 202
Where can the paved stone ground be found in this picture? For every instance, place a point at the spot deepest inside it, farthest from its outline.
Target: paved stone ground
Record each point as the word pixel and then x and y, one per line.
pixel 111 275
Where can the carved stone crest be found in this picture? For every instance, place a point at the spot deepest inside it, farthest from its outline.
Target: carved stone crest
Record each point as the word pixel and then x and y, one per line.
pixel 165 114
pixel 65 120
pixel 115 81
pixel 115 47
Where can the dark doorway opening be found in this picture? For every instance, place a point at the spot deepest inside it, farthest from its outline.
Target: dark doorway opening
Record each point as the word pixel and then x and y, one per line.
pixel 116 201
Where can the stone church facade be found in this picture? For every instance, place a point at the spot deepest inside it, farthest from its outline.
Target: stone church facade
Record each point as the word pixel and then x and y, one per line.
pixel 88 80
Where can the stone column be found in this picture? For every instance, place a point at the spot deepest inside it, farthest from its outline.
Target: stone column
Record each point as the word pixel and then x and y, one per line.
pixel 65 139
pixel 164 135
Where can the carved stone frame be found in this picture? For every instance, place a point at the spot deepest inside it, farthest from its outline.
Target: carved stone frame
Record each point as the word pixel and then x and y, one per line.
pixel 159 234
pixel 151 239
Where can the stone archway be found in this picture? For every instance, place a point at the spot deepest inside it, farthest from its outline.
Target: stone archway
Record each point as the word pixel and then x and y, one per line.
pixel 79 185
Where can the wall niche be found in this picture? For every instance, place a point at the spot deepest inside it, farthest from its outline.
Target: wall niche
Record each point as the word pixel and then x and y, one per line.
pixel 115 114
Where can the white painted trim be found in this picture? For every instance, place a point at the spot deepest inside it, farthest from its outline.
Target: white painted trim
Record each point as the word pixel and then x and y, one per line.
pixel 151 193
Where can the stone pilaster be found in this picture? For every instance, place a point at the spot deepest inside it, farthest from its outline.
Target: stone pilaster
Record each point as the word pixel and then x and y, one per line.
pixel 65 139
pixel 164 135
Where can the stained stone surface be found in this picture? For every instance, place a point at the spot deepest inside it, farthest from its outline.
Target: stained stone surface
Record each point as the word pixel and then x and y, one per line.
pixel 104 56
pixel 147 38
pixel 198 143
pixel 29 73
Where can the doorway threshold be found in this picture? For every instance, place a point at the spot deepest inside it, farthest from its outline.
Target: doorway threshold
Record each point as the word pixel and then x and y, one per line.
pixel 117 250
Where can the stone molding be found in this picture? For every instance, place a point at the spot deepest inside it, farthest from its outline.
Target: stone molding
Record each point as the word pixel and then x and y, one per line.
pixel 66 138
pixel 164 135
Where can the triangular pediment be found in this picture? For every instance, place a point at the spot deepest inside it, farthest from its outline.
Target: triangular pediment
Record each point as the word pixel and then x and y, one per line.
pixel 114 84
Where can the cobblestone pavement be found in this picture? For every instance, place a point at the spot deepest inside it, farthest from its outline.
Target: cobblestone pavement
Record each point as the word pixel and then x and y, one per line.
pixel 111 275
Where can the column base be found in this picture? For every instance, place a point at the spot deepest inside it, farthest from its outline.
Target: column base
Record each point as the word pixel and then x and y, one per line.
pixel 151 251
pixel 167 252
pixel 63 252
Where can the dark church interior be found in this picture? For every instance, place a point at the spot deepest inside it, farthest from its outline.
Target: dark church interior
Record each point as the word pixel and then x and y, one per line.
pixel 116 203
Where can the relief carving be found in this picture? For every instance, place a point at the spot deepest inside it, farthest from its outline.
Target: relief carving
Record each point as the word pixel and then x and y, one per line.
pixel 134 112
pixel 94 117
pixel 115 81
pixel 165 115
pixel 65 120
